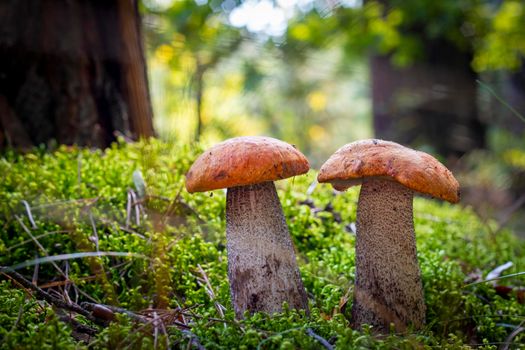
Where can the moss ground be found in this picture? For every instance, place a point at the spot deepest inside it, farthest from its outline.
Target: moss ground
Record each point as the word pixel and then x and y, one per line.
pixel 80 201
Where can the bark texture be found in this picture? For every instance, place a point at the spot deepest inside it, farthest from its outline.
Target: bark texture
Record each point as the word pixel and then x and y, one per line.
pixel 72 71
pixel 262 269
pixel 388 286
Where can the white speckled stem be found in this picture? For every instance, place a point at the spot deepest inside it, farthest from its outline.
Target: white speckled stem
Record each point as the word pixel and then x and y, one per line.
pixel 262 269
pixel 388 286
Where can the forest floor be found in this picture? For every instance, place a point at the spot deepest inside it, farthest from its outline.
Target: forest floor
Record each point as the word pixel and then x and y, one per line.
pixel 107 250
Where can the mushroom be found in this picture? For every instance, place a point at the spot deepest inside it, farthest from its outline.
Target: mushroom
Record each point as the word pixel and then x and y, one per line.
pixel 262 269
pixel 388 288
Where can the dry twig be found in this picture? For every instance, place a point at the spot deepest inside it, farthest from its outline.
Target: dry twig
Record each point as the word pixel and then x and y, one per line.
pixel 40 293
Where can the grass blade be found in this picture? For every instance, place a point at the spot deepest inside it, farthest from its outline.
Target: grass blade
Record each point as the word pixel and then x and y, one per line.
pixel 61 257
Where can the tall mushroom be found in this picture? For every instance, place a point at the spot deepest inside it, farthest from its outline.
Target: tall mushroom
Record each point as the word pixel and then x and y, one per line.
pixel 262 269
pixel 388 286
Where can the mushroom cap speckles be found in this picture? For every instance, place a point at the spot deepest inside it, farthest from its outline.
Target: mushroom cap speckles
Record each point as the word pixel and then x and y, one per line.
pixel 416 170
pixel 243 161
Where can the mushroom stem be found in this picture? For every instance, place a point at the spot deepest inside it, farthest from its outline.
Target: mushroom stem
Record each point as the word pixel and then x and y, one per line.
pixel 388 286
pixel 262 269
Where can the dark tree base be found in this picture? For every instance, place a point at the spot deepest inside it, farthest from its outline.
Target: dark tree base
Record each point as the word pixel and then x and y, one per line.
pixel 71 71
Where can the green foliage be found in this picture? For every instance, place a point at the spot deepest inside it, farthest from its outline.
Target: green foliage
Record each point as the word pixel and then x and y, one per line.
pixel 194 38
pixel 197 30
pixel 24 324
pixel 124 334
pixel 73 192
pixel 491 31
pixel 224 81
pixel 504 45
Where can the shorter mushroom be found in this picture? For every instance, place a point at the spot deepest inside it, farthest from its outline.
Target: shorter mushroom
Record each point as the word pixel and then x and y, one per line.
pixel 262 269
pixel 388 288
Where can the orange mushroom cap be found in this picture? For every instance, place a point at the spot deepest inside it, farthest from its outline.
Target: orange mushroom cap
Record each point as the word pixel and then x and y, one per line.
pixel 416 170
pixel 243 161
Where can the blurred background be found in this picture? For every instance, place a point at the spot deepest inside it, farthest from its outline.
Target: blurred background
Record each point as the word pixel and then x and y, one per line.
pixel 446 77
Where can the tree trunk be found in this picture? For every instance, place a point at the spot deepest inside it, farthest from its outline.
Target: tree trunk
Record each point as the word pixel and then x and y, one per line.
pixel 72 71
pixel 432 103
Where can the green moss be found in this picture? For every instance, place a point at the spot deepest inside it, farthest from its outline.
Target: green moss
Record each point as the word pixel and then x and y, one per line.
pixel 78 200
pixel 24 324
